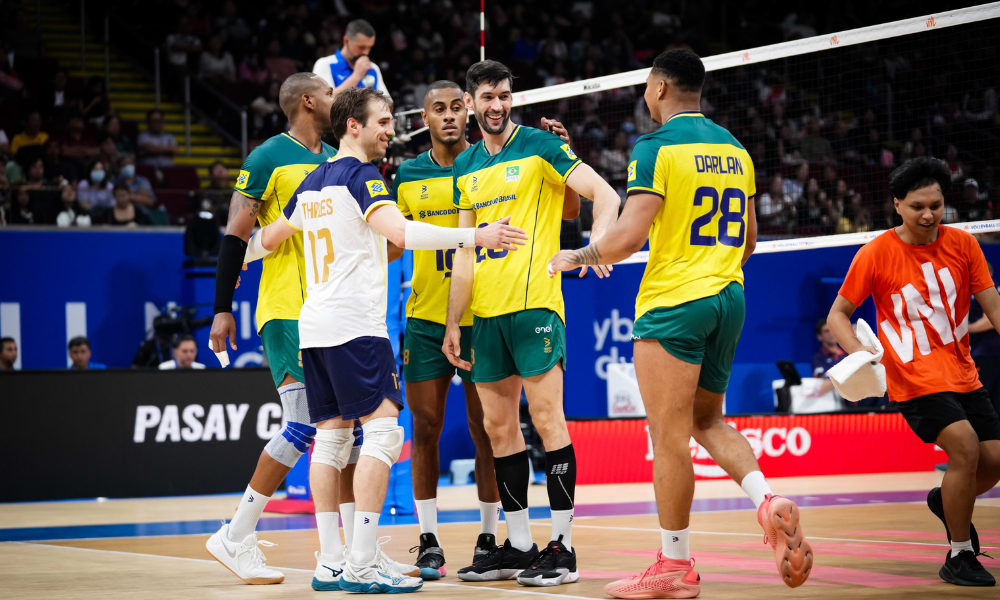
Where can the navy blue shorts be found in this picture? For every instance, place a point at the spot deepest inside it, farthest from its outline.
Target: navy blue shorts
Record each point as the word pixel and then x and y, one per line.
pixel 350 381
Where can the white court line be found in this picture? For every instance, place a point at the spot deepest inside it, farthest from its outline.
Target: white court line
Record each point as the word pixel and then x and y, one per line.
pixel 205 560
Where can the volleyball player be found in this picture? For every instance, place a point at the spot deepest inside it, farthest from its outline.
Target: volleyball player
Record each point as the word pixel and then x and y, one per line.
pixel 689 316
pixel 922 277
pixel 346 214
pixel 518 335
pixel 424 187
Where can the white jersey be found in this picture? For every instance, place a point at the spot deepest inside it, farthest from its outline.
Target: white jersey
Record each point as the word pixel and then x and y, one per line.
pixel 334 69
pixel 346 259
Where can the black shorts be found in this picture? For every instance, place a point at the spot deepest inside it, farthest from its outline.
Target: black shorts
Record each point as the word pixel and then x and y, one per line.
pixel 928 415
pixel 351 380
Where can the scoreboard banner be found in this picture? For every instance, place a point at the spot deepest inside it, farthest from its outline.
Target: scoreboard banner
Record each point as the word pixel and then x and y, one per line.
pixel 785 446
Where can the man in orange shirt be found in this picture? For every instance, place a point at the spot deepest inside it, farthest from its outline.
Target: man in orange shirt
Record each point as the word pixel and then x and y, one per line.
pixel 921 277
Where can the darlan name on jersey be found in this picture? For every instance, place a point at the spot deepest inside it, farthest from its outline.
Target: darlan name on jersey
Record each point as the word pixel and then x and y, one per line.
pixel 319 208
pixel 437 213
pixel 720 165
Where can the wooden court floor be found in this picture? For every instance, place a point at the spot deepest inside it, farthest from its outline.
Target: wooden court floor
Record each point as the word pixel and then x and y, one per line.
pixel 873 537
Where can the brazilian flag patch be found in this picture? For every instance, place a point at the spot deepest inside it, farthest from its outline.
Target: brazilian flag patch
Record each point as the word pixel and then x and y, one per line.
pixel 513 173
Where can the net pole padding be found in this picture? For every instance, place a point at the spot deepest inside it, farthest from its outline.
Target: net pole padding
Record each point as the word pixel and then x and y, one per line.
pixel 829 241
pixel 775 51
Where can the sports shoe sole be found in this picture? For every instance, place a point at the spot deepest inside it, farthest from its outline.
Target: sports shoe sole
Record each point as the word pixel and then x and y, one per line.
pixel 791 544
pixel 685 592
pixel 497 575
pixel 973 535
pixel 249 580
pixel 946 574
pixel 429 574
pixel 567 577
pixel 375 588
pixel 325 586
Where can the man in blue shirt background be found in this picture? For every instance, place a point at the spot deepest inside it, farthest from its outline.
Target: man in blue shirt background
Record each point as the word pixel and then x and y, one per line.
pixel 350 66
pixel 79 354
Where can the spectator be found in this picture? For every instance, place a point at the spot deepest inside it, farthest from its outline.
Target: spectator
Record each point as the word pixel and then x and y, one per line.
pixel 815 147
pixel 219 190
pixel 56 101
pixel 268 118
pixel 794 188
pixel 32 134
pixel 112 127
pixel 430 41
pixel 8 353
pixel 278 67
pixel 94 192
pixel 157 146
pixel 217 63
pixel 185 351
pixel 79 354
pixel 140 187
pixel 21 213
pixel 614 160
pixel 972 207
pixel 812 205
pixel 557 48
pixel 124 213
pixel 954 164
pixel 350 66
pixel 96 105
pixel 251 70
pixel 219 177
pixel 72 214
pixel 77 145
pixel 829 355
pixel 108 154
pixel 776 208
pixel 844 146
pixel 862 220
pixel 182 43
pixel 35 174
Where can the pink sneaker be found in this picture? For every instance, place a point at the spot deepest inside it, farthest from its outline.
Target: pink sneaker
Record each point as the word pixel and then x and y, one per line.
pixel 666 578
pixel 792 553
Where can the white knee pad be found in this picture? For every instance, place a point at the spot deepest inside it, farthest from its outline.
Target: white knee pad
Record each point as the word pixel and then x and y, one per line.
pixel 333 447
pixel 297 435
pixel 383 440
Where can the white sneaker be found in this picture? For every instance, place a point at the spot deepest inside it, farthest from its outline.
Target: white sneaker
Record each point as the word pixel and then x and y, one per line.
pixel 245 560
pixel 402 568
pixel 378 576
pixel 326 577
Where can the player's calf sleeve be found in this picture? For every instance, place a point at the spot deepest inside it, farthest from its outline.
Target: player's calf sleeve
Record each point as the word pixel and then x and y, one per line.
pixel 512 480
pixel 383 440
pixel 333 447
pixel 297 435
pixel 560 478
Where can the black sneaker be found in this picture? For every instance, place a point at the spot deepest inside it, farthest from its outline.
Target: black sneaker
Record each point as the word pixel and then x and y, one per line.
pixel 936 505
pixel 965 569
pixel 486 543
pixel 554 566
pixel 430 560
pixel 504 562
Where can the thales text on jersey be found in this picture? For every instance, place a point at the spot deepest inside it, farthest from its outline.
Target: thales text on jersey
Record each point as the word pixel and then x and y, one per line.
pixel 714 164
pixel 320 208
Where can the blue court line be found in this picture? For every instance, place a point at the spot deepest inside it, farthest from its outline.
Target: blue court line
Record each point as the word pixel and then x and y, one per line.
pixel 305 522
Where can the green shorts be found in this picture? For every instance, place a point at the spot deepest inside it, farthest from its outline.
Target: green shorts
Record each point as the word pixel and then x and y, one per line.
pixel 526 343
pixel 703 332
pixel 423 359
pixel 281 347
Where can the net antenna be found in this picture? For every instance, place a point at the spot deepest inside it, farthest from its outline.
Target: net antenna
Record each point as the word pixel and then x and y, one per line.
pixel 482 30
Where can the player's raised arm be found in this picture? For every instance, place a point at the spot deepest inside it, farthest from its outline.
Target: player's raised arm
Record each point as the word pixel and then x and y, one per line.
pixel 415 235
pixel 459 296
pixel 571 201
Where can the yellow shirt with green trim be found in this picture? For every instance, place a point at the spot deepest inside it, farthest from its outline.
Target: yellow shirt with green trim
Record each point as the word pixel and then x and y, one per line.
pixel 525 180
pixel 423 191
pixel 696 241
pixel 272 173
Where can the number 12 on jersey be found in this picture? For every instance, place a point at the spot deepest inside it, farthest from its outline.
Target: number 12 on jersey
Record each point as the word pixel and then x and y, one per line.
pixel 706 194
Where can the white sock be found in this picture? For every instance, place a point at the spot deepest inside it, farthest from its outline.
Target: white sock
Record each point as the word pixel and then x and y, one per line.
pixel 427 515
pixel 756 487
pixel 489 516
pixel 347 516
pixel 328 524
pixel 562 524
pixel 957 547
pixel 365 537
pixel 518 529
pixel 675 544
pixel 247 514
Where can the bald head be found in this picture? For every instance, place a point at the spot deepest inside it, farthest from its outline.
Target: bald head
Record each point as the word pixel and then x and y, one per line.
pixel 297 85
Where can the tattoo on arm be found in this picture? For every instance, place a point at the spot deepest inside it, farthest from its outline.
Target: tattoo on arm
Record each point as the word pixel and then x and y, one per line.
pixel 238 205
pixel 588 255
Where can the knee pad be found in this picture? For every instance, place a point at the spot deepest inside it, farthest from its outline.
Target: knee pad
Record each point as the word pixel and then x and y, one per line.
pixel 333 447
pixel 297 435
pixel 383 440
pixel 356 449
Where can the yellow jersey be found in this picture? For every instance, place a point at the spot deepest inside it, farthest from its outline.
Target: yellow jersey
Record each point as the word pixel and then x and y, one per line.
pixel 272 173
pixel 696 242
pixel 423 191
pixel 525 180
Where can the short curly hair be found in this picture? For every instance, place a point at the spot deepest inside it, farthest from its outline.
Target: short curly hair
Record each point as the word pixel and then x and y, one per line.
pixel 681 67
pixel 918 173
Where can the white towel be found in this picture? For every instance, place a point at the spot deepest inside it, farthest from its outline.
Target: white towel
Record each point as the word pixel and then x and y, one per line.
pixel 860 375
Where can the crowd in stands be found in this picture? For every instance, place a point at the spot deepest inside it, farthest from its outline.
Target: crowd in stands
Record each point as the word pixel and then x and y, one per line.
pixel 823 134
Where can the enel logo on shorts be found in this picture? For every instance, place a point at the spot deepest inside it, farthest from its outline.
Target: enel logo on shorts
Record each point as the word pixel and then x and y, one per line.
pixel 546 329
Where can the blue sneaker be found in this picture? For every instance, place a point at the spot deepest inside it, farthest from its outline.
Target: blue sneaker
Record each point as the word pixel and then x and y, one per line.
pixel 377 577
pixel 326 577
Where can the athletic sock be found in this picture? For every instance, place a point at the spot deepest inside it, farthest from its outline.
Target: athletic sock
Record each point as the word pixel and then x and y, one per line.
pixel 675 544
pixel 247 514
pixel 489 516
pixel 756 487
pixel 957 547
pixel 328 524
pixel 512 478
pixel 347 516
pixel 427 515
pixel 365 537
pixel 560 482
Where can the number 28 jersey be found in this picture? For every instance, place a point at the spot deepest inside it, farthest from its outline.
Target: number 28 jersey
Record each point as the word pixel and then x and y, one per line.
pixel 345 258
pixel 696 242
